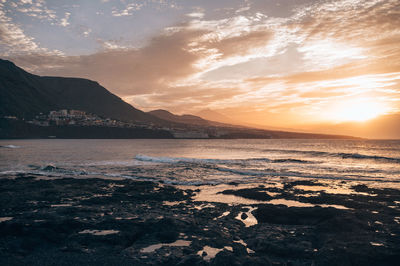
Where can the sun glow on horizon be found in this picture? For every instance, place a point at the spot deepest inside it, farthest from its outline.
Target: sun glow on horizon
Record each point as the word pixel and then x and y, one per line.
pixel 357 110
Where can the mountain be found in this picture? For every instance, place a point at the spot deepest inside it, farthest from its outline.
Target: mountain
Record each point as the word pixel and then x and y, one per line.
pixel 228 131
pixel 184 119
pixel 25 95
pixel 215 116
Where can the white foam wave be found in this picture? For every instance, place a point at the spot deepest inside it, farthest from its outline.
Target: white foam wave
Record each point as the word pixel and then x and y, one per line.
pixel 10 146
pixel 172 160
pixel 118 163
pixel 13 172
pixel 342 155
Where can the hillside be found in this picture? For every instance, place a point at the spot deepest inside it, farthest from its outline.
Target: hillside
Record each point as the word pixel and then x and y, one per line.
pixel 185 119
pixel 215 116
pixel 25 95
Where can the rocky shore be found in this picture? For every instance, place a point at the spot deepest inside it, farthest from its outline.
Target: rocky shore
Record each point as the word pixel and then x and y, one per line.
pixel 126 222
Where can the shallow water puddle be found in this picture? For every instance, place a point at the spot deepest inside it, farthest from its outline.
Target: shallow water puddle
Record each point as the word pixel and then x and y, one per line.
pixel 126 218
pixel 4 219
pixel 290 203
pixel 272 194
pixel 172 203
pixel 61 205
pixel 211 252
pixel 250 220
pixel 222 215
pixel 376 244
pixel 294 203
pixel 332 190
pixel 210 194
pixel 99 232
pixel 240 241
pixel 203 206
pixel 112 185
pixel 178 243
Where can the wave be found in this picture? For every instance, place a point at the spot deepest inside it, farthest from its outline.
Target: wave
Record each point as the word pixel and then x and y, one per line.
pixel 339 155
pixel 116 163
pixel 13 172
pixel 232 174
pixel 56 170
pixel 10 146
pixel 146 158
pixel 244 172
pixel 373 157
pixel 289 160
pixel 172 160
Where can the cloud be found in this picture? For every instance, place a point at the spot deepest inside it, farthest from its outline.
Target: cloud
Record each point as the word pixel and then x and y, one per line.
pixel 135 6
pixel 14 40
pixel 125 71
pixel 12 36
pixel 198 15
pixel 64 21
pixel 37 9
pixel 292 67
pixel 127 11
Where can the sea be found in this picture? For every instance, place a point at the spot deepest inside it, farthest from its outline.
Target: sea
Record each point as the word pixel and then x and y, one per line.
pixel 204 162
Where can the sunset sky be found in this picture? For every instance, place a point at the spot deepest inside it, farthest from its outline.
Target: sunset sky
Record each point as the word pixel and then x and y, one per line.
pixel 268 62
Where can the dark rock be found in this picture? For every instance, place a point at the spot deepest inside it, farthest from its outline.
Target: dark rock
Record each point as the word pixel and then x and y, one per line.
pixel 49 168
pixel 40 234
pixel 251 193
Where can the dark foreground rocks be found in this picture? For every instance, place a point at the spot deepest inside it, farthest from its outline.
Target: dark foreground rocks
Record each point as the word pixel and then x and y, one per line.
pixel 126 222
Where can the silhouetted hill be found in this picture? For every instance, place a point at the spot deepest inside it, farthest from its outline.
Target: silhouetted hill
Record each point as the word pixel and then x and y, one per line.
pixel 25 95
pixel 215 116
pixel 185 119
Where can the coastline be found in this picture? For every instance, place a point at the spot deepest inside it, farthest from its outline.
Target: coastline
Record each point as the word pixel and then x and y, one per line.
pixel 68 221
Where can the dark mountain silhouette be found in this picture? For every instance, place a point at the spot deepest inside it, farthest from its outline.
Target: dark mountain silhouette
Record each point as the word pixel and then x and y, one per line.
pixel 185 119
pixel 25 95
pixel 215 116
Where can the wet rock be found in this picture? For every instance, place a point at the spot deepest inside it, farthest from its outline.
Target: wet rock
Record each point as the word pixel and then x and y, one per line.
pixel 49 168
pixel 293 215
pixel 40 234
pixel 251 193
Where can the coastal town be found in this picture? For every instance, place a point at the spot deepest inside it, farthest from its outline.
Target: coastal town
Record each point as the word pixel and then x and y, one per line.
pixel 80 118
pixel 66 117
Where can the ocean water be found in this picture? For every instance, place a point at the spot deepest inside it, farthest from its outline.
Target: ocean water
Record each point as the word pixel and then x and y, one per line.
pixel 204 162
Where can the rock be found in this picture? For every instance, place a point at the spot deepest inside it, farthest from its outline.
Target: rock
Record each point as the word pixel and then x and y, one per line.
pixel 49 168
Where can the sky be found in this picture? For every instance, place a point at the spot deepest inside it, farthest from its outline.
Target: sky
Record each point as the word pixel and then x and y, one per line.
pixel 266 62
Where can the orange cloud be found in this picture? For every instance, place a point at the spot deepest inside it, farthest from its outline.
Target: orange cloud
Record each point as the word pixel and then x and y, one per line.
pixel 289 68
